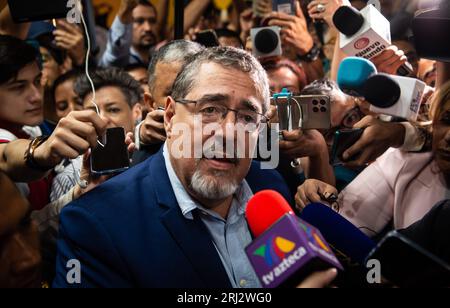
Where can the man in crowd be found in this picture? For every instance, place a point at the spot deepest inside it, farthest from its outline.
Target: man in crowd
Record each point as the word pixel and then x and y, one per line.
pixel 163 69
pixel 118 97
pixel 179 207
pixel 132 35
pixel 21 110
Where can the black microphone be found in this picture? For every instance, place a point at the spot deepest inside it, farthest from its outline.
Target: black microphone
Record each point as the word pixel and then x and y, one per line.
pixel 382 91
pixel 396 96
pixel 266 41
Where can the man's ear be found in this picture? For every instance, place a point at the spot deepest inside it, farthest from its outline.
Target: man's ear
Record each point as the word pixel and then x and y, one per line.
pixel 149 102
pixel 169 114
pixel 137 112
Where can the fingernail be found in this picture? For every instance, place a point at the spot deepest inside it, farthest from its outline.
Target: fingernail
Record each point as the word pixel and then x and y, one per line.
pixel 345 156
pixel 327 195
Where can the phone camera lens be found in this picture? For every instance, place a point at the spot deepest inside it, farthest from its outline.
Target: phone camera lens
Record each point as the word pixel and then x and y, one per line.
pixel 315 103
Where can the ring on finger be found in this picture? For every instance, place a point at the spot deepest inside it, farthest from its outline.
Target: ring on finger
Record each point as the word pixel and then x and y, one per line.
pixel 321 8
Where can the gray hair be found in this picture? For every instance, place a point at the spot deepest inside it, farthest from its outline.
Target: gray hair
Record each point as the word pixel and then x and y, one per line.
pixel 228 57
pixel 176 51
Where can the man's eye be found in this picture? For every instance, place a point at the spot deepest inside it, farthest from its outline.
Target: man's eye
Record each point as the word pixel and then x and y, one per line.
pixel 19 88
pixel 249 119
pixel 209 110
pixel 113 110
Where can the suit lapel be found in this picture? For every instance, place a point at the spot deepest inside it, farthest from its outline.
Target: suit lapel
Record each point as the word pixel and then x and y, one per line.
pixel 191 235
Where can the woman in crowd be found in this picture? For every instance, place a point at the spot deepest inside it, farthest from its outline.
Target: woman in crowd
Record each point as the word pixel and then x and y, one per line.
pixel 399 187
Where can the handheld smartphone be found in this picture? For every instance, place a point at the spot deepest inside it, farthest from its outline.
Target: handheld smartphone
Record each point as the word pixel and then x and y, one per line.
pixel 284 6
pixel 303 112
pixel 207 38
pixel 344 139
pixel 316 111
pixel 407 265
pixel 26 10
pixel 114 157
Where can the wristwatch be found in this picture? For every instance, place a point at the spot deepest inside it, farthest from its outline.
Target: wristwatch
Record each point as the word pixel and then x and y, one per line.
pixel 29 154
pixel 311 56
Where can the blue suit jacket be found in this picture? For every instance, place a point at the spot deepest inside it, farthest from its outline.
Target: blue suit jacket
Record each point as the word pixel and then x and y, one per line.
pixel 130 232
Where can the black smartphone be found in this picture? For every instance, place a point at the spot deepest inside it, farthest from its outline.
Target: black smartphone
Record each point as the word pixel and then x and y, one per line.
pixel 26 10
pixel 113 157
pixel 407 265
pixel 343 140
pixel 207 38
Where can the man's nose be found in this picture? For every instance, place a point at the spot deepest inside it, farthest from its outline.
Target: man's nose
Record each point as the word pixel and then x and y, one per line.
pixel 106 119
pixel 147 26
pixel 36 95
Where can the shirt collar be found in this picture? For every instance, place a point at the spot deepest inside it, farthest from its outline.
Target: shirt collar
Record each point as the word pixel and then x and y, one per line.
pixel 187 204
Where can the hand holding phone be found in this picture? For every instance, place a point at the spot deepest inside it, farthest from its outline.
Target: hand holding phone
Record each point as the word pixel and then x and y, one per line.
pixel 114 157
pixel 344 139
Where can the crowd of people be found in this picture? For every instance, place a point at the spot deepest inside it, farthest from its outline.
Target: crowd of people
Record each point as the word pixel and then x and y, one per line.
pixel 174 220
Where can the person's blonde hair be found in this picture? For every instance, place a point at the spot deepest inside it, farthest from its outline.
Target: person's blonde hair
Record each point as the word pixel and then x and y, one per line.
pixel 439 100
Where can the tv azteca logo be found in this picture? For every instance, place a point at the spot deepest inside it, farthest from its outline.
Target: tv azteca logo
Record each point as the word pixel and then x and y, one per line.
pixel 275 250
pixel 274 253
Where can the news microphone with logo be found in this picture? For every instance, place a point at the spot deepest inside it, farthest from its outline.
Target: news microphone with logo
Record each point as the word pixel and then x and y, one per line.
pixel 286 249
pixel 394 95
pixel 365 33
pixel 347 240
pixel 388 94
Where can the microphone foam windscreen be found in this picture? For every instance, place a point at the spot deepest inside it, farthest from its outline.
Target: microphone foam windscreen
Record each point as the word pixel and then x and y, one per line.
pixel 353 73
pixel 348 20
pixel 264 209
pixel 266 41
pixel 382 91
pixel 338 231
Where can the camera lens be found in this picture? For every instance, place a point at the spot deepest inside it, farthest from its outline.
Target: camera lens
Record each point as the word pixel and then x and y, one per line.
pixel 266 41
pixel 323 109
pixel 323 102
pixel 315 109
pixel 315 103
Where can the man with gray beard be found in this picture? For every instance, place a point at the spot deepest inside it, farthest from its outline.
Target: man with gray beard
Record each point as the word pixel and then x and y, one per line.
pixel 178 219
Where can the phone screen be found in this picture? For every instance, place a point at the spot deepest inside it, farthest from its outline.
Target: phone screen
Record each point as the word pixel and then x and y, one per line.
pixel 406 264
pixel 26 10
pixel 343 140
pixel 114 157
